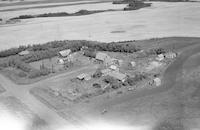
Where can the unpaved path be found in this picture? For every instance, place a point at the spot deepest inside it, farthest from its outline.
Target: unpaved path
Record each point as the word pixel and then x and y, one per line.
pixel 22 93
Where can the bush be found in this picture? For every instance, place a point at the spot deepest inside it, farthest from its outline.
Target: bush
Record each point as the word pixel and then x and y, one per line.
pixel 34 74
pixel 96 85
pixel 22 74
pixel 133 80
pixel 97 74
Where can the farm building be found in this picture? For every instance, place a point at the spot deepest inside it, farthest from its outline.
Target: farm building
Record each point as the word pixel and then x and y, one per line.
pixel 160 57
pixel 133 64
pixel 22 53
pixel 84 76
pixel 170 55
pixel 118 75
pixel 157 81
pixel 62 60
pixel 64 53
pixel 114 68
pixel 100 56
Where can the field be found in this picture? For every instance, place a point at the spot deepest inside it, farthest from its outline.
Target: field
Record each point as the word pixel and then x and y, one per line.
pixel 19 115
pixel 2 89
pixel 139 25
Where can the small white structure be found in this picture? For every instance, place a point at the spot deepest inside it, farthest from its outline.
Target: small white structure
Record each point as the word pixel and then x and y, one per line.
pixel 113 67
pixel 62 61
pixel 133 64
pixel 170 55
pixel 84 76
pixel 160 57
pixel 64 53
pixel 157 81
pixel 22 53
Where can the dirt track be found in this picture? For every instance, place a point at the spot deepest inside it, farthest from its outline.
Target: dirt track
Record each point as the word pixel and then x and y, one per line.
pixel 22 93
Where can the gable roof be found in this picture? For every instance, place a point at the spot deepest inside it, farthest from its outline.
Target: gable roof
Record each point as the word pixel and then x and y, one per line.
pixel 65 53
pixel 117 75
pixel 26 52
pixel 101 56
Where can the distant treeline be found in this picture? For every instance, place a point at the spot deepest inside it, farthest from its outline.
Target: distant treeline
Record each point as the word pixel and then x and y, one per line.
pixel 51 49
pixel 61 14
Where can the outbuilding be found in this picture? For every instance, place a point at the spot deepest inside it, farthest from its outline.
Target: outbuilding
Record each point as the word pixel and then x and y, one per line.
pixel 100 56
pixel 84 76
pixel 157 81
pixel 117 75
pixel 170 55
pixel 22 53
pixel 64 53
pixel 160 57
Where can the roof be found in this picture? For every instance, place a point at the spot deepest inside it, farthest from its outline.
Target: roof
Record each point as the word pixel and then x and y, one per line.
pixel 82 76
pixel 101 56
pixel 65 53
pixel 170 55
pixel 117 75
pixel 113 67
pixel 26 52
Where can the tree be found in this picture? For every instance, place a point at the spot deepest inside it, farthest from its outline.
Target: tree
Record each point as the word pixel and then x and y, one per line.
pixel 97 74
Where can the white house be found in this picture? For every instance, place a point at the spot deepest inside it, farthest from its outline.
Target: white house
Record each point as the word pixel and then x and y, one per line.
pixel 157 81
pixel 160 57
pixel 22 53
pixel 64 53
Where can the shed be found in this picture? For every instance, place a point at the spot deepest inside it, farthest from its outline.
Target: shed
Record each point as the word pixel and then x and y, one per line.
pixel 133 64
pixel 62 60
pixel 101 56
pixel 118 75
pixel 170 55
pixel 81 76
pixel 64 53
pixel 157 81
pixel 160 57
pixel 113 67
pixel 22 53
pixel 84 76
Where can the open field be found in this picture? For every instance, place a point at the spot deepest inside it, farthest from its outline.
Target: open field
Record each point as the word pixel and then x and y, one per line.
pixel 2 89
pixel 61 8
pixel 19 114
pixel 131 25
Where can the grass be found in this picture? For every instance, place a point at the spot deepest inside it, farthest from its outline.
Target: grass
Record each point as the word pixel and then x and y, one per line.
pixel 2 89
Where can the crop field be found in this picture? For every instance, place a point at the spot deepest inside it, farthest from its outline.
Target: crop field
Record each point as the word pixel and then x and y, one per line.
pixel 99 27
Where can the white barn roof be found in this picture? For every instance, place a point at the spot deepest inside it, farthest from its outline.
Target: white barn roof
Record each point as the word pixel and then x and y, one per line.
pixel 65 53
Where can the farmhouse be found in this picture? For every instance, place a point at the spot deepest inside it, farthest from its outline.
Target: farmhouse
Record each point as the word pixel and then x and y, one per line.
pixel 117 75
pixel 64 53
pixel 22 53
pixel 102 56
